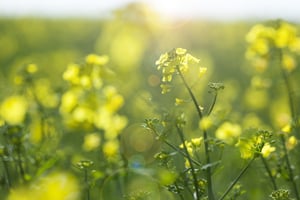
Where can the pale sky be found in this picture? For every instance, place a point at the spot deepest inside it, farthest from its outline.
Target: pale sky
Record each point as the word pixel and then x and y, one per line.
pixel 213 9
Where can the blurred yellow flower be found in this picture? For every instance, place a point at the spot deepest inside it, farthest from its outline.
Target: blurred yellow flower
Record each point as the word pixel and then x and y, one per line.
pixel 291 143
pixel 32 68
pixel 94 59
pixel 267 150
pixel 197 141
pixel 13 109
pixel 287 128
pixel 285 34
pixel 228 132
pixel 68 101
pixel 91 142
pixel 83 114
pixel 58 186
pixel 85 81
pixel 71 73
pixel 111 148
pixel 205 123
pixel 288 62
pixel 178 101
pixel 202 71
pixel 245 148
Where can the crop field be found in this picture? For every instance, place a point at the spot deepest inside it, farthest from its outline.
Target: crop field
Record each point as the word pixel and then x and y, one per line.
pixel 136 107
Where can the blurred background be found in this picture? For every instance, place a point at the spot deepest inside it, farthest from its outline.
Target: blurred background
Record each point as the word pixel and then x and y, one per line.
pixel 53 34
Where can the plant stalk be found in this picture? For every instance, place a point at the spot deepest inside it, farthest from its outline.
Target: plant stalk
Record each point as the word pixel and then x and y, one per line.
pixel 269 172
pixel 7 176
pixel 205 137
pixel 237 179
pixel 289 167
pixel 190 162
pixel 87 185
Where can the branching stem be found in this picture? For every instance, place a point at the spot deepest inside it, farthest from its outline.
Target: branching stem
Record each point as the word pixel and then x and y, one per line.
pixel 205 137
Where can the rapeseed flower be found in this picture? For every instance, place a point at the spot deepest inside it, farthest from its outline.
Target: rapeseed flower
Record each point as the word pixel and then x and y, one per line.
pixel 169 63
pixel 91 141
pixel 267 150
pixel 228 132
pixel 57 185
pixel 13 109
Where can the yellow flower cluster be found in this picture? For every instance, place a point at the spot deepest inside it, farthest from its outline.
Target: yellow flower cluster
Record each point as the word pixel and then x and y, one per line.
pixel 89 103
pixel 192 146
pixel 169 63
pixel 89 76
pixel 257 145
pixel 262 39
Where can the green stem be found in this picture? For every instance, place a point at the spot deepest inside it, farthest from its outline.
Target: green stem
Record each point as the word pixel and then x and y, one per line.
pixel 190 162
pixel 213 103
pixel 87 185
pixel 237 179
pixel 173 146
pixel 181 152
pixel 289 167
pixel 289 88
pixel 205 137
pixel 269 172
pixel 178 191
pixel 8 182
pixel 19 161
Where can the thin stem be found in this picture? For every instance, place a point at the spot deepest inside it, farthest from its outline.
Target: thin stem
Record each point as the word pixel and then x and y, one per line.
pixel 87 185
pixel 181 152
pixel 269 172
pixel 19 161
pixel 237 179
pixel 8 182
pixel 213 103
pixel 205 137
pixel 289 167
pixel 174 147
pixel 190 162
pixel 178 191
pixel 288 87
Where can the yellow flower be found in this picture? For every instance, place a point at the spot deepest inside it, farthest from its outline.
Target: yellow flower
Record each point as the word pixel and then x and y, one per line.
pixel 176 60
pixel 197 141
pixel 245 148
pixel 288 63
pixel 287 128
pixel 83 114
pixel 291 143
pixel 205 123
pixel 58 186
pixel 111 148
pixel 285 35
pixel 91 141
pixel 31 68
pixel 202 71
pixel 94 59
pixel 85 81
pixel 13 109
pixel 71 74
pixel 267 150
pixel 228 132
pixel 68 101
pixel 178 101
